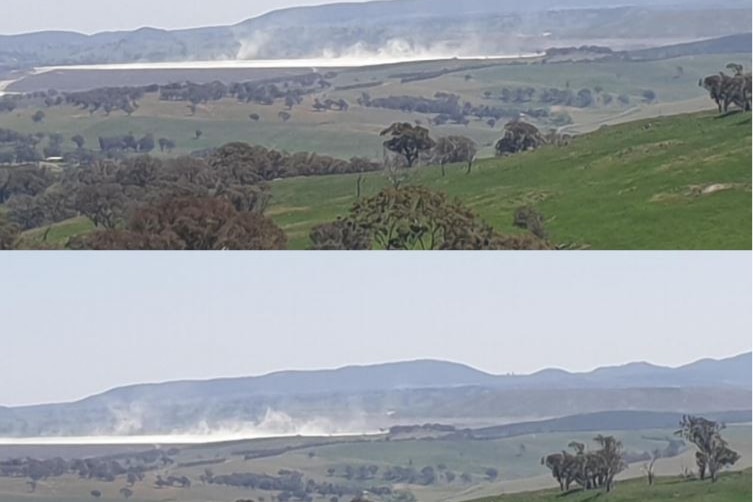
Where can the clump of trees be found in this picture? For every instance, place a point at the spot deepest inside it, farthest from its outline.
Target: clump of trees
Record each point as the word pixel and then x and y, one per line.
pixel 19 148
pixel 519 137
pixel 714 453
pixel 415 218
pixel 588 469
pixel 189 223
pixel 726 90
pixel 447 108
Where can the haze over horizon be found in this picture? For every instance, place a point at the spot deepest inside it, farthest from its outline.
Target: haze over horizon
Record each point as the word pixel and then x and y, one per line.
pixel 174 317
pixel 94 16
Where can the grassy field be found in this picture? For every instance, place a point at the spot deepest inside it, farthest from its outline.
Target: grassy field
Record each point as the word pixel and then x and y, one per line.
pixel 681 182
pixel 355 132
pixel 519 468
pixel 655 178
pixel 732 487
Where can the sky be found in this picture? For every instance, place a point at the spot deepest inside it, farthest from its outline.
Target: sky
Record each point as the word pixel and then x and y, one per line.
pixel 76 324
pixel 91 16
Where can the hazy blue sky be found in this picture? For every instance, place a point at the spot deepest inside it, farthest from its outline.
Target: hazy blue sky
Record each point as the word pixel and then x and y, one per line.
pixel 79 323
pixel 88 16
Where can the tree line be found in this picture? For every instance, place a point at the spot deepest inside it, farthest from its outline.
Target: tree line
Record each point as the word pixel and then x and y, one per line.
pixel 596 469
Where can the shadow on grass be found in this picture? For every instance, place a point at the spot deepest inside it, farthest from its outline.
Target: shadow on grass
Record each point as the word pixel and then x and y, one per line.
pixel 728 114
pixel 570 493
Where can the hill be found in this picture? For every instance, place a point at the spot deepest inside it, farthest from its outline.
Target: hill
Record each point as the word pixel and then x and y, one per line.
pixel 603 421
pixel 732 487
pixel 358 399
pixel 723 45
pixel 678 182
pixel 400 26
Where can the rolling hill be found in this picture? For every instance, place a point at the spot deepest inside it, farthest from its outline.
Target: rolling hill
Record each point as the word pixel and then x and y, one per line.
pixel 675 182
pixel 358 399
pixel 397 27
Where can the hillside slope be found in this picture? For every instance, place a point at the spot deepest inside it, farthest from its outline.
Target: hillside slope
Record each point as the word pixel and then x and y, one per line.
pixel 678 182
pixel 732 487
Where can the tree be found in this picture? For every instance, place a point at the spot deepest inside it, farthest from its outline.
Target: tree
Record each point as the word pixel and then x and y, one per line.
pixel 190 223
pixel 284 116
pixel 530 219
pixel 519 137
pixel 198 134
pixel 713 452
pixel 38 116
pixel 96 494
pixel 255 117
pixel 610 460
pixel 648 467
pixel 166 144
pixel 25 211
pixel 9 232
pixel 454 149
pixel 104 204
pixel 491 473
pixel 146 144
pixel 648 95
pixel 340 235
pixel 126 493
pixel 79 141
pixel 416 218
pixel 408 141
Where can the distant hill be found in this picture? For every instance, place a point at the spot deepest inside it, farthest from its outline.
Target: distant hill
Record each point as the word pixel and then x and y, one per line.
pixel 397 27
pixel 427 374
pixel 357 399
pixel 605 421
pixel 740 44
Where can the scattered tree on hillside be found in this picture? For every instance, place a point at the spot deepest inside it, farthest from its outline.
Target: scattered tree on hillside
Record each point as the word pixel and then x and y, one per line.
pixel 96 494
pixel 408 141
pixel 146 144
pixel 79 141
pixel 648 467
pixel 454 149
pixel 713 453
pixel 491 473
pixel 198 134
pixel 166 144
pixel 38 116
pixel 519 137
pixel 590 470
pixel 126 493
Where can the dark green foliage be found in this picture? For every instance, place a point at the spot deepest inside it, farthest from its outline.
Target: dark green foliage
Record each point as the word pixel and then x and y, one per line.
pixel 416 218
pixel 408 141
pixel 713 453
pixel 189 223
pixel 519 137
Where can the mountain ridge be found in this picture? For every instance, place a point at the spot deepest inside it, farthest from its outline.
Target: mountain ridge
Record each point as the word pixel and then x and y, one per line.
pixel 735 371
pixel 404 25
